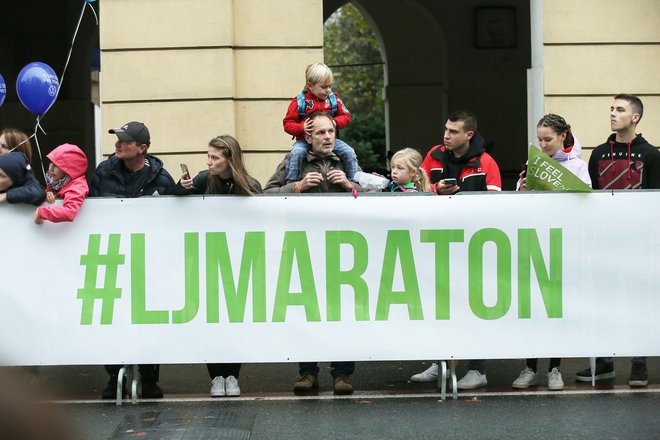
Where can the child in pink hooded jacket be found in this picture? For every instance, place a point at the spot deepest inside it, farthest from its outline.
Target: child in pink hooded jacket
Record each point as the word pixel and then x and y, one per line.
pixel 65 179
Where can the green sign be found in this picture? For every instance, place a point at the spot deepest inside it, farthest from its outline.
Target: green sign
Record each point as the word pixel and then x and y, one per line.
pixel 545 173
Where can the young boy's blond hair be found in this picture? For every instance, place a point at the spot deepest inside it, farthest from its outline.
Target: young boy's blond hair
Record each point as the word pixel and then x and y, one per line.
pixel 317 73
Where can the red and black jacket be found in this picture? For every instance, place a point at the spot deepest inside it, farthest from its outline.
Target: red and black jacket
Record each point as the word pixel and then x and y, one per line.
pixel 476 170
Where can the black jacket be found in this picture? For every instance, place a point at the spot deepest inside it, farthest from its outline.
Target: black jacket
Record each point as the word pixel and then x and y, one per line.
pixel 31 192
pixel 109 179
pixel 634 165
pixel 227 186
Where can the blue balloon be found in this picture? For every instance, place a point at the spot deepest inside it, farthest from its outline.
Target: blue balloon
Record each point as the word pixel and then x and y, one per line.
pixel 37 87
pixel 3 90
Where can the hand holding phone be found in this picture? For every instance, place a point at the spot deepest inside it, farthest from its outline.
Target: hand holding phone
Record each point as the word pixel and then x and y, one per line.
pixel 449 181
pixel 184 170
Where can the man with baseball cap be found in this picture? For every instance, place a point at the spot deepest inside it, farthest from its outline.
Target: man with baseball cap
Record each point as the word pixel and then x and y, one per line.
pixel 131 172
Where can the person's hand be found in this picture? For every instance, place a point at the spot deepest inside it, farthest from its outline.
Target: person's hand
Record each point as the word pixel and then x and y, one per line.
pixel 186 181
pixel 38 220
pixel 50 197
pixel 523 181
pixel 445 189
pixel 3 197
pixel 338 177
pixel 308 127
pixel 310 180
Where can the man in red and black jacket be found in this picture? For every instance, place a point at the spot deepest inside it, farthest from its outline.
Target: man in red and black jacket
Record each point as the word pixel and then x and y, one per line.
pixel 462 157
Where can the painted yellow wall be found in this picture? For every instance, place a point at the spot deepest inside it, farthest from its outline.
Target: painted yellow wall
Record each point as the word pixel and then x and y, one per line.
pixel 594 49
pixel 194 69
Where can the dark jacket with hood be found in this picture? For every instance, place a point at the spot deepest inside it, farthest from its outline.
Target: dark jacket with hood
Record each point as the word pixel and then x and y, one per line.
pixel 476 170
pixel 112 179
pixel 26 188
pixel 633 165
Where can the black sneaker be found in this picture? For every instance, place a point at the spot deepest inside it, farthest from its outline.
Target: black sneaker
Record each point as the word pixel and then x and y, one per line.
pixel 638 375
pixel 604 370
pixel 151 390
pixel 110 391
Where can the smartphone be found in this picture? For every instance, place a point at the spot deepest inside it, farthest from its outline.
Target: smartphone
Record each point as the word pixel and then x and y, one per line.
pixel 184 170
pixel 449 181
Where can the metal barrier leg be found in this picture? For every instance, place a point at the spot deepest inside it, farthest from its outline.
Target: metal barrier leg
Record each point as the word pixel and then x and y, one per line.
pixel 136 382
pixel 592 364
pixel 442 380
pixel 454 385
pixel 120 384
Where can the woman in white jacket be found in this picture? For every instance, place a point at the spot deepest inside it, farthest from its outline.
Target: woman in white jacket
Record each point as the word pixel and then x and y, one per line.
pixel 557 141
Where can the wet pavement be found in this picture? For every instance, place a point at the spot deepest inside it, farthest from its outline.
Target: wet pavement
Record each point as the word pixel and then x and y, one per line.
pixel 385 405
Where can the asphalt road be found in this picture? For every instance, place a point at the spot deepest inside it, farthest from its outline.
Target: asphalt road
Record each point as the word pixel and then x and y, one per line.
pixel 385 405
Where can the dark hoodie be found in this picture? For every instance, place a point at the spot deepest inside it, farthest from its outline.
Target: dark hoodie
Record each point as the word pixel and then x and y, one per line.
pixel 25 188
pixel 616 165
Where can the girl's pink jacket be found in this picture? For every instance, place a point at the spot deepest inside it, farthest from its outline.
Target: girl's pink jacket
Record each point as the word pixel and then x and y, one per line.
pixel 70 159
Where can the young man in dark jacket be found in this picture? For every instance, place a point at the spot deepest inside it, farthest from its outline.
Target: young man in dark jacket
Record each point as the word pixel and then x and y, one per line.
pixel 461 164
pixel 625 161
pixel 131 172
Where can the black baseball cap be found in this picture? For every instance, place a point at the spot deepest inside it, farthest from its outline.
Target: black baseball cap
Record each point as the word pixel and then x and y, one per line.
pixel 132 131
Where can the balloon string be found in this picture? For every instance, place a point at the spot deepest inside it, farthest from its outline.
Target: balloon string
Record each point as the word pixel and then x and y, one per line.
pixel 68 57
pixel 36 141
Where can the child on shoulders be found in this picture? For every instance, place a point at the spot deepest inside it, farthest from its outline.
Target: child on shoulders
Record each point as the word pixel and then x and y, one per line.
pixel 316 96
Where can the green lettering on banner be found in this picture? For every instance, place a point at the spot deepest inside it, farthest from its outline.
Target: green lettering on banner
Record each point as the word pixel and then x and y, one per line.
pixel 139 312
pixel 442 239
pixel 529 250
pixel 191 268
pixel 476 273
pixel 295 246
pixel 109 292
pixel 335 277
pixel 253 261
pixel 398 244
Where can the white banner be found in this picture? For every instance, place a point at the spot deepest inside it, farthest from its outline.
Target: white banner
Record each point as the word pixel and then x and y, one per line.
pixel 298 278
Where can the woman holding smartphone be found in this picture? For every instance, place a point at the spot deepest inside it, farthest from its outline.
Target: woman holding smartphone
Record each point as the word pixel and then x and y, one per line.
pixel 226 174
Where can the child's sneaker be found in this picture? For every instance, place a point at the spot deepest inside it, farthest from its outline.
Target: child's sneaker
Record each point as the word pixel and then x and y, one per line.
pixel 218 386
pixel 638 375
pixel 604 370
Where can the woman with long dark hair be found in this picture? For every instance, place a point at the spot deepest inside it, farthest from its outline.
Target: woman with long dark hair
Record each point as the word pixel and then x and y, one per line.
pixel 226 174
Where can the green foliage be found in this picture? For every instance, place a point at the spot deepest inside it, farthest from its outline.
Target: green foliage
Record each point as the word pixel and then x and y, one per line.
pixel 352 52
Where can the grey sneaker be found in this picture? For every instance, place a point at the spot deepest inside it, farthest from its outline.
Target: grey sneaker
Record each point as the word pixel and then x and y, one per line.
pixel 527 378
pixel 231 387
pixel 555 382
pixel 472 379
pixel 428 375
pixel 218 387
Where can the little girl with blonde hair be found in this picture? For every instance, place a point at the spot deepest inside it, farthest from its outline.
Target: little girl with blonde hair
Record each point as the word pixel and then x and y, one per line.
pixel 407 174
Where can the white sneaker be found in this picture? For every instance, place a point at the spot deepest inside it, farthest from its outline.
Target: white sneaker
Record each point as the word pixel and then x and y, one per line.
pixel 472 379
pixel 218 386
pixel 231 385
pixel 526 379
pixel 428 375
pixel 555 383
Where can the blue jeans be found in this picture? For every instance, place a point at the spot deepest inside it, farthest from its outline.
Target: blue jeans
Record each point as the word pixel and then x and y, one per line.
pixel 339 369
pixel 300 149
